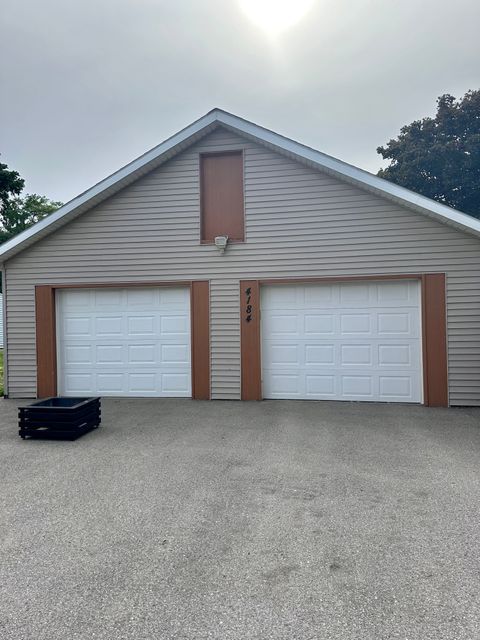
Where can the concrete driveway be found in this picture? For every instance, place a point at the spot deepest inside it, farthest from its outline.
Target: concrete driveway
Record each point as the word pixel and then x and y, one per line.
pixel 183 519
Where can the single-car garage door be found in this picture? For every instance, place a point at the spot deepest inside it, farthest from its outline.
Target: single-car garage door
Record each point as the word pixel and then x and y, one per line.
pixel 124 342
pixel 348 341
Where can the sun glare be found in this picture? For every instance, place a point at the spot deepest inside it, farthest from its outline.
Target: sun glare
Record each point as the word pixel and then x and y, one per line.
pixel 275 16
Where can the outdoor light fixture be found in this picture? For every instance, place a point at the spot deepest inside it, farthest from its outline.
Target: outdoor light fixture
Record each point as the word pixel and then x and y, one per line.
pixel 221 243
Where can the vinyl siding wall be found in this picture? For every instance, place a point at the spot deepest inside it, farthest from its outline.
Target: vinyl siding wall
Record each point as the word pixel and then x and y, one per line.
pixel 299 222
pixel 1 321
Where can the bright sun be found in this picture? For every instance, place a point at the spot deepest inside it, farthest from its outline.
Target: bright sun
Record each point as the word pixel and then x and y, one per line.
pixel 275 16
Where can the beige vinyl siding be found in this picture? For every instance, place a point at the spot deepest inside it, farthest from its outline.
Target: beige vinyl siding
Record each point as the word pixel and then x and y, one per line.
pixel 225 339
pixel 299 223
pixel 1 321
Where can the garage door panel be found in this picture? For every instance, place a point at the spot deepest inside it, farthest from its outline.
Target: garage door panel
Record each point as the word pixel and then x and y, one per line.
pixel 355 386
pixel 108 383
pixel 175 354
pixel 174 297
pixel 395 355
pixel 106 348
pixel 274 299
pixel 319 354
pixel 400 291
pixel 319 323
pixel 77 326
pixel 283 354
pixel 78 354
pixel 142 325
pixel 321 385
pixel 78 299
pixel 355 295
pixel 142 354
pixel 396 386
pixel 354 324
pixel 78 383
pixel 281 383
pixel 356 354
pixel 174 325
pixel 283 324
pixel 315 295
pixel 395 323
pixel 109 325
pixel 145 382
pixel 109 354
pixel 142 297
pixel 175 383
pixel 370 352
pixel 107 298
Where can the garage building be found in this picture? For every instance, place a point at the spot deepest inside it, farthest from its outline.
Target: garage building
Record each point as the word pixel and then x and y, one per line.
pixel 333 284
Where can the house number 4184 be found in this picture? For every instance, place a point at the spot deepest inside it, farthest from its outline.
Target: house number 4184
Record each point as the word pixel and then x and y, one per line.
pixel 248 304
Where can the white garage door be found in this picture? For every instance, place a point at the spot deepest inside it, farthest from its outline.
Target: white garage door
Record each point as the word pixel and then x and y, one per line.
pixel 124 342
pixel 349 341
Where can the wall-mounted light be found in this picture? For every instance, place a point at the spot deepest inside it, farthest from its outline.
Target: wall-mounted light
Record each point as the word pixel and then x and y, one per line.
pixel 221 243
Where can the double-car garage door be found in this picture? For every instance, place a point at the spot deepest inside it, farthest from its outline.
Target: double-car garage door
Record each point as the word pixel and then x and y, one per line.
pixel 124 342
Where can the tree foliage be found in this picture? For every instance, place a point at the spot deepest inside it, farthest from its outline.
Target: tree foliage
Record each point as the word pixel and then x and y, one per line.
pixel 440 157
pixel 11 185
pixel 17 212
pixel 21 212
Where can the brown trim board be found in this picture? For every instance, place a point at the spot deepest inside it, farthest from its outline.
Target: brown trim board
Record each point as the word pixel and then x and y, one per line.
pixel 326 279
pixel 434 332
pixel 45 325
pixel 122 285
pixel 434 323
pixel 45 321
pixel 250 340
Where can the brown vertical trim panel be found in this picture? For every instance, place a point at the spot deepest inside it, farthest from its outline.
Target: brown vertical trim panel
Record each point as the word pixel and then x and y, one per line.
pixel 250 339
pixel 435 364
pixel 46 341
pixel 200 319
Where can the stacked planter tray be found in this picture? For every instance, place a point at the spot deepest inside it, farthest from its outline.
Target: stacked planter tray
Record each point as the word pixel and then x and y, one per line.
pixel 59 418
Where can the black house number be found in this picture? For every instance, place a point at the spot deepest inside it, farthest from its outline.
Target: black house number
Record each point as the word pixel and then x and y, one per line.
pixel 248 305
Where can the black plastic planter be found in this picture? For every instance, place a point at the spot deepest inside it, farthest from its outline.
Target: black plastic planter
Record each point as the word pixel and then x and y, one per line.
pixel 59 418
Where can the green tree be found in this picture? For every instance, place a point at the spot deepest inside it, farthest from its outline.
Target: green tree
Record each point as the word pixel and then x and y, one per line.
pixel 17 213
pixel 440 157
pixel 11 185
pixel 21 212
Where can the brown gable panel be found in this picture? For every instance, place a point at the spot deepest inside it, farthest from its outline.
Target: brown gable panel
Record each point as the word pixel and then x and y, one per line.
pixel 222 196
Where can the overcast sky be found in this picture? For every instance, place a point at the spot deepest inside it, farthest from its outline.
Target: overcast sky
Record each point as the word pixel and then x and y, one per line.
pixel 86 86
